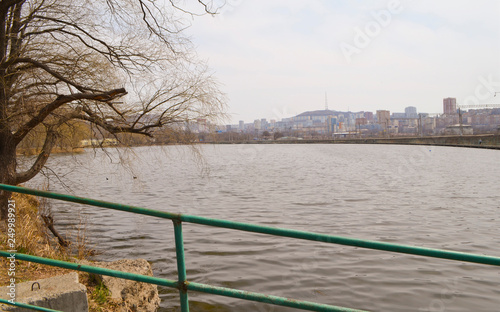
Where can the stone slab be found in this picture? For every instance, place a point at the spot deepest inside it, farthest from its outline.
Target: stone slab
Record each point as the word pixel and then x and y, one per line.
pixel 62 292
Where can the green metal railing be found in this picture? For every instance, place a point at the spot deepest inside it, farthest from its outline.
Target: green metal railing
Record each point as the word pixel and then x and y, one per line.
pixel 183 285
pixel 27 306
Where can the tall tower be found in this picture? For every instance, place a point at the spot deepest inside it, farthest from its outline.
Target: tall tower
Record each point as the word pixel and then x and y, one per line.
pixel 450 106
pixel 326 102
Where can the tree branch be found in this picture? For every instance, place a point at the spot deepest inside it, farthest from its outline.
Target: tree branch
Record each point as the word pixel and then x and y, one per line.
pixel 14 31
pixel 50 141
pixel 61 100
pixel 6 4
pixel 54 74
pixel 114 129
pixel 49 222
pixel 206 7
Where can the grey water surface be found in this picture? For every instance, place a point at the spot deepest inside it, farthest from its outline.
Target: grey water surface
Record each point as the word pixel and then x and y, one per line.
pixel 436 197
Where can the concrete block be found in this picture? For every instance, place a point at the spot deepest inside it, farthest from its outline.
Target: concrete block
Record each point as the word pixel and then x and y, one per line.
pixel 62 292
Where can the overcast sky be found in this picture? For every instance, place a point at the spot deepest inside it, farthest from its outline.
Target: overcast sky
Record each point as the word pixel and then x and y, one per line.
pixel 277 58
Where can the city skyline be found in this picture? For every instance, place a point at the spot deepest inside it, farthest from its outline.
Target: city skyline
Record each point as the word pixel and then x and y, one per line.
pixel 403 111
pixel 327 124
pixel 276 59
pixel 340 111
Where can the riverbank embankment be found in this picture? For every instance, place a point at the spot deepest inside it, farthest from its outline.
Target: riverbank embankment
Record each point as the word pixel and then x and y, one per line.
pixel 488 141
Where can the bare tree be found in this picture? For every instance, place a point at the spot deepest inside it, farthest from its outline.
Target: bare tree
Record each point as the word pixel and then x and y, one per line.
pixel 120 66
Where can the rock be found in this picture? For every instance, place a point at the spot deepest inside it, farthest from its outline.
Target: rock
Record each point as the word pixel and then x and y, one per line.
pixel 132 296
pixel 62 292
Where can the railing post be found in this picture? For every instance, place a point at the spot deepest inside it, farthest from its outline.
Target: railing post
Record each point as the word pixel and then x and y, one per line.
pixel 181 265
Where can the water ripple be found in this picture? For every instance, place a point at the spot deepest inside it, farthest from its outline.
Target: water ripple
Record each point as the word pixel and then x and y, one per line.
pixel 399 194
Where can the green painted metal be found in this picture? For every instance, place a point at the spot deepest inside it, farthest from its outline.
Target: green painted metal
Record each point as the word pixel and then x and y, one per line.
pixel 28 306
pixel 222 291
pixel 181 266
pixel 274 300
pixel 183 285
pixel 413 250
pixel 92 269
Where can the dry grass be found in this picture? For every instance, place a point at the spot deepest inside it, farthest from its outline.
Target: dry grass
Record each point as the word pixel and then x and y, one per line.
pixel 99 300
pixel 33 237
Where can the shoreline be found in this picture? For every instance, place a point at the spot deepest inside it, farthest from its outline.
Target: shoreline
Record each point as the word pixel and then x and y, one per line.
pixel 485 141
pixel 58 150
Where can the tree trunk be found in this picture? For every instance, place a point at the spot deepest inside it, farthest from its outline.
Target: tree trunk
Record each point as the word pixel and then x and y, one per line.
pixel 7 168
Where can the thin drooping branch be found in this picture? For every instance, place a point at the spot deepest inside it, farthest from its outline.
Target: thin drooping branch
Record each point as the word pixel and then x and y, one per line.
pixel 60 101
pixel 206 7
pixel 64 62
pixel 83 35
pixel 55 74
pixel 114 129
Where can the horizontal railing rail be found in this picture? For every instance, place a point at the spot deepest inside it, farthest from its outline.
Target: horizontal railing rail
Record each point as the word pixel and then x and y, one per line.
pixel 27 306
pixel 183 285
pixel 215 290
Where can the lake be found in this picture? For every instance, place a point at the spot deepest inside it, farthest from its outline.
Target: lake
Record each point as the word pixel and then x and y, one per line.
pixel 436 197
